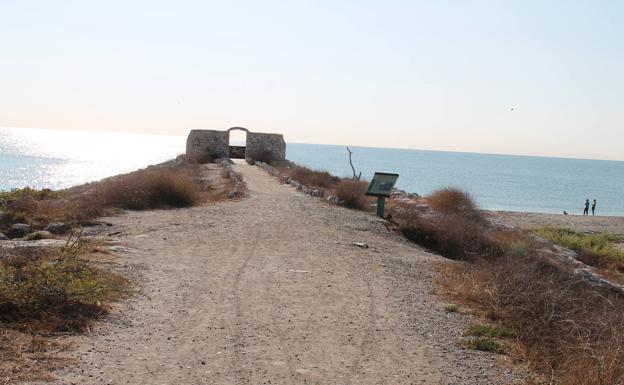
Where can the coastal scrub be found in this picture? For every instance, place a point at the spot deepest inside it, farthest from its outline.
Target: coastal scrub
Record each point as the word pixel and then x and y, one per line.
pixel 597 250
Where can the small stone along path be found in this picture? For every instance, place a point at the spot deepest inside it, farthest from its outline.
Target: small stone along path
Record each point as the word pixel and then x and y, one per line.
pixel 270 289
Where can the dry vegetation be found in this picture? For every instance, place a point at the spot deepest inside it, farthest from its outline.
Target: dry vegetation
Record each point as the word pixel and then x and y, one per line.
pixel 350 192
pixel 45 293
pixel 42 295
pixel 569 330
pixel 151 188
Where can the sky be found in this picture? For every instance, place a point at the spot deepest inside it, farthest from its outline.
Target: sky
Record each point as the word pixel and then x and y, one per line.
pixel 513 77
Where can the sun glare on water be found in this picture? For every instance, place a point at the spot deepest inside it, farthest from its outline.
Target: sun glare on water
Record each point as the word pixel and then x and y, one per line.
pixel 60 158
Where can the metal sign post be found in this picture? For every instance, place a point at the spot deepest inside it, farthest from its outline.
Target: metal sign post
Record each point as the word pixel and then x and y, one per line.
pixel 381 186
pixel 381 206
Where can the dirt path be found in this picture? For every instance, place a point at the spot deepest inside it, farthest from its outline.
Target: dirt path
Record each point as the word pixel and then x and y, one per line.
pixel 271 290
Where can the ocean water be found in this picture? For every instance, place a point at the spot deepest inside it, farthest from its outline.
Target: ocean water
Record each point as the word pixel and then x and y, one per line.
pixel 57 159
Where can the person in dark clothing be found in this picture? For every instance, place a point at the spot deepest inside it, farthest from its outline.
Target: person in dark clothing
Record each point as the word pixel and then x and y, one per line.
pixel 594 208
pixel 586 210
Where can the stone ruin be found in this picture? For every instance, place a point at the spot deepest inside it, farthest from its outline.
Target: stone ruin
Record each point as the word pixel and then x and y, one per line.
pixel 208 145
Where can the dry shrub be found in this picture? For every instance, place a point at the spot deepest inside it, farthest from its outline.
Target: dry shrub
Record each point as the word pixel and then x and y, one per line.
pixel 570 328
pixel 150 189
pixel 312 178
pixel 351 192
pixel 452 200
pixel 140 190
pixel 455 228
pixel 453 236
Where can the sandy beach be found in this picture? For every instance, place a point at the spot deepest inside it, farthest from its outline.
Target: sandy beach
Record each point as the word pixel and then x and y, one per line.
pixel 528 221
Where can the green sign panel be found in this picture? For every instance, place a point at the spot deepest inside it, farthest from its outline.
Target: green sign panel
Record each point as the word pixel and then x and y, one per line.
pixel 382 184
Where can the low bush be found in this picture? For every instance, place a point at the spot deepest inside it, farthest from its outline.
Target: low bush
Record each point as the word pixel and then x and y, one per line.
pixel 312 178
pixel 452 235
pixel 491 331
pixel 484 344
pixel 593 249
pixel 26 193
pixel 351 194
pixel 453 201
pixel 149 189
pixel 54 293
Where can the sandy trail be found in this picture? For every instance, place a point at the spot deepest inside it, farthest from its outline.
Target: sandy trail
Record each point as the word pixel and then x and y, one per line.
pixel 270 289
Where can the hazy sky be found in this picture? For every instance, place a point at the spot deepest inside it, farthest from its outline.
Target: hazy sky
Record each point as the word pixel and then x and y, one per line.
pixel 418 74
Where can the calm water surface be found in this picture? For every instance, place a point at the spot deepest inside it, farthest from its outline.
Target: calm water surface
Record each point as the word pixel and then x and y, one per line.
pixel 57 159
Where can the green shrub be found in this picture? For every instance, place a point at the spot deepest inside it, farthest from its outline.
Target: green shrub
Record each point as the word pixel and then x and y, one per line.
pixel 483 330
pixel 594 249
pixel 7 197
pixel 519 248
pixel 484 344
pixel 58 292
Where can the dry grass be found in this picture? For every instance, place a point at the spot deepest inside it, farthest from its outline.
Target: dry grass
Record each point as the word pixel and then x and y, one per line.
pixel 570 330
pixel 151 188
pixel 312 178
pixel 28 357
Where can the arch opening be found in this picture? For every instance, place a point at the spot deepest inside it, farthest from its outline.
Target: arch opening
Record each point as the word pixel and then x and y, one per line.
pixel 237 142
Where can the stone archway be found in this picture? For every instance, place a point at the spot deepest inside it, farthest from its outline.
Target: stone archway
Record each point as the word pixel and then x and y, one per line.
pixel 237 152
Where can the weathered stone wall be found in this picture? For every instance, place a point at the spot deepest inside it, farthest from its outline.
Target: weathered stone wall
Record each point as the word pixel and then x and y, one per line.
pixel 237 152
pixel 207 144
pixel 264 146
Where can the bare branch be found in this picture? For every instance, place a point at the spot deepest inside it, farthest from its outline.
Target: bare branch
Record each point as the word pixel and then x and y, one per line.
pixel 355 176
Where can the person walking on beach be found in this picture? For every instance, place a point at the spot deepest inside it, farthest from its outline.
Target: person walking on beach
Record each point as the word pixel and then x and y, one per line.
pixel 594 208
pixel 586 210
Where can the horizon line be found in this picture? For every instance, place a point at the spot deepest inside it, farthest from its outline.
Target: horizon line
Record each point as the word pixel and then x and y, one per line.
pixel 330 144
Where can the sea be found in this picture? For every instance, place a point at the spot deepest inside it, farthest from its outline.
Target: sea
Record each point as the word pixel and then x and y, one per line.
pixel 56 159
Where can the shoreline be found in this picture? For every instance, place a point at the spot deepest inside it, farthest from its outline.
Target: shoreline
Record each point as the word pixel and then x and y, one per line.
pixel 530 220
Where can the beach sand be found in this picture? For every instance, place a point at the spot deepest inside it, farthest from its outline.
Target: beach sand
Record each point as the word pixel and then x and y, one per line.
pixel 528 221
